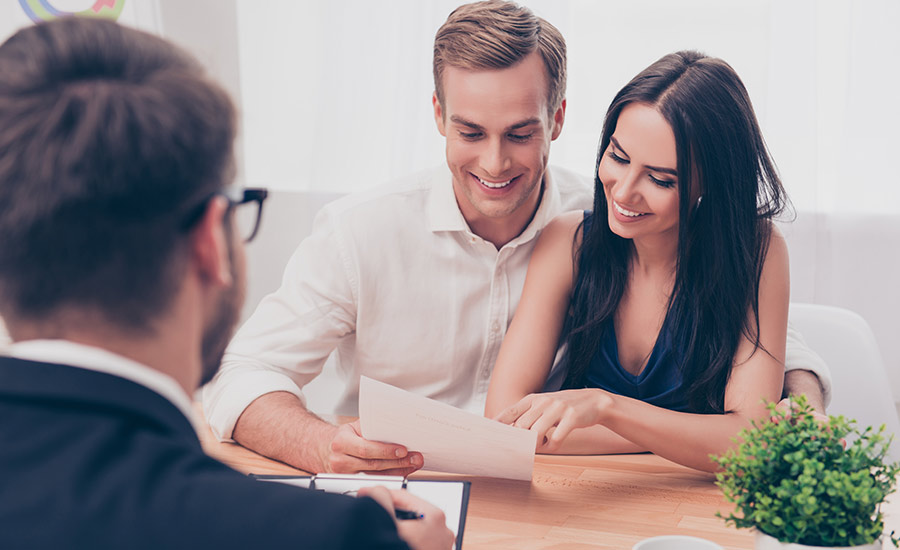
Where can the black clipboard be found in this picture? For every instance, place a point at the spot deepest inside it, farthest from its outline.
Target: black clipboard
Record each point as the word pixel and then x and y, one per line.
pixel 349 483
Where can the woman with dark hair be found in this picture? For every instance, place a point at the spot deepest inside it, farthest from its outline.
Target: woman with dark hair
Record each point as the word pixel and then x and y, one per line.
pixel 672 296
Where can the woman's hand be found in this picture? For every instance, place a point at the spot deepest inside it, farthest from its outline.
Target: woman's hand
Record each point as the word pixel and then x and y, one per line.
pixel 554 415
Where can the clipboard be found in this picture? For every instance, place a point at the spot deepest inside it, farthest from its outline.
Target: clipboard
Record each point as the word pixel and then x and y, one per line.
pixel 451 496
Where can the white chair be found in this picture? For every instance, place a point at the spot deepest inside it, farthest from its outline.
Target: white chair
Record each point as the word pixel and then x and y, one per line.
pixel 860 386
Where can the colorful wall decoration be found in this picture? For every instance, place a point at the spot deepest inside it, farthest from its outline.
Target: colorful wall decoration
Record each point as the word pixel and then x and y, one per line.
pixel 43 10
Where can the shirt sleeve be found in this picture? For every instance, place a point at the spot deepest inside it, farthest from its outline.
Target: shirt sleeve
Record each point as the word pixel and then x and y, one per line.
pixel 799 356
pixel 287 340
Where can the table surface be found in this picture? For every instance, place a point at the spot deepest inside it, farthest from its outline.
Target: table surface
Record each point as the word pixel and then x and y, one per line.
pixel 574 502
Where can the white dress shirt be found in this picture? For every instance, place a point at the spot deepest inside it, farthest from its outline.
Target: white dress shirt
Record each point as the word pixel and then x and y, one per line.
pixel 394 280
pixel 71 354
pixel 398 284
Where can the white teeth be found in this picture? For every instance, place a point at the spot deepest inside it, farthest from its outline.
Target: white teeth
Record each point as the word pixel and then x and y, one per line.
pixel 492 185
pixel 624 212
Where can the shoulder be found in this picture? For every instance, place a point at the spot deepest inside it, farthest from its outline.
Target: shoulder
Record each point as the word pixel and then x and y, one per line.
pixel 564 226
pixel 394 210
pixel 560 238
pixel 777 251
pixel 775 277
pixel 386 197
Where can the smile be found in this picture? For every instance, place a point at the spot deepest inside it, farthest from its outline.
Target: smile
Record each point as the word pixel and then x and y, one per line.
pixel 628 213
pixel 495 185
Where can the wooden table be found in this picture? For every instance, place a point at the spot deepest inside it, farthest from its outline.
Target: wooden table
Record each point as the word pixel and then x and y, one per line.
pixel 574 502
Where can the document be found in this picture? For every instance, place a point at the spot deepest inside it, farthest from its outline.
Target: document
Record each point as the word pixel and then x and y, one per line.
pixel 451 440
pixel 452 497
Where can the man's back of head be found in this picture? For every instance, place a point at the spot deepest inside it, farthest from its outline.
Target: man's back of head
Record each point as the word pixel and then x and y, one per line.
pixel 110 140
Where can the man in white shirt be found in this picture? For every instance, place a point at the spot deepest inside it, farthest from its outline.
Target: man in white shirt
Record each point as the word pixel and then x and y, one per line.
pixel 415 283
pixel 121 277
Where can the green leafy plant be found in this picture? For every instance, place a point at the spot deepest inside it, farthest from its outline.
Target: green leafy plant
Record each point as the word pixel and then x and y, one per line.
pixel 792 477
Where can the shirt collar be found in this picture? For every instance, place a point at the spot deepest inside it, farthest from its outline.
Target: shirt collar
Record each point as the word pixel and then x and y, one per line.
pixel 442 209
pixel 444 214
pixel 66 353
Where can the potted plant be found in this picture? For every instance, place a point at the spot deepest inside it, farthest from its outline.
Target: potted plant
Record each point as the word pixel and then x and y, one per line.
pixel 803 483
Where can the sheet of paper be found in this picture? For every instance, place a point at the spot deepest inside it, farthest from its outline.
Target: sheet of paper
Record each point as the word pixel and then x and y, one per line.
pixel 446 496
pixel 452 440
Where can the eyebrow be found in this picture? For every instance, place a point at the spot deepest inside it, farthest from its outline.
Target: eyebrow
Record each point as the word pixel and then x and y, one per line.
pixel 669 171
pixel 527 122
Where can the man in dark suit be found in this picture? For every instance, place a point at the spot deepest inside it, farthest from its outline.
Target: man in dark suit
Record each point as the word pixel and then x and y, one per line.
pixel 121 276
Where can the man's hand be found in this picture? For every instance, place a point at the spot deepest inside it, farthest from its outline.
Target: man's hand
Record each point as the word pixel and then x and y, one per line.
pixel 428 533
pixel 787 405
pixel 797 382
pixel 348 452
pixel 277 425
pixel 804 382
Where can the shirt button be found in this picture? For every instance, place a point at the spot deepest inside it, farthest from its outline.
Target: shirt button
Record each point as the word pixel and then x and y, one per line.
pixel 496 326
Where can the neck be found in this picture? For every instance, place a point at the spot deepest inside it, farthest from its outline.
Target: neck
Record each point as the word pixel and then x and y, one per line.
pixel 164 347
pixel 656 254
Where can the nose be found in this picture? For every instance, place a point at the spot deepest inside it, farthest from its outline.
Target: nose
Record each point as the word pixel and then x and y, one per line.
pixel 625 187
pixel 495 160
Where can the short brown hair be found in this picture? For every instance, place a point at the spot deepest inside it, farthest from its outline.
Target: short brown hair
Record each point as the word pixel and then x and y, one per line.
pixel 497 34
pixel 108 136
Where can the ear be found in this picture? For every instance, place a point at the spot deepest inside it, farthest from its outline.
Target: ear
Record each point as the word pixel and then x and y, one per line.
pixel 438 114
pixel 209 245
pixel 559 117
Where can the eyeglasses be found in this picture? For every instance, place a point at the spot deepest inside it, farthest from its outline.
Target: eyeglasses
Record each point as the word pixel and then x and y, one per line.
pixel 245 203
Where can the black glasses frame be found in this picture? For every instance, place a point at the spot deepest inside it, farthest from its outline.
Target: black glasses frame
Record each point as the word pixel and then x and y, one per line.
pixel 235 197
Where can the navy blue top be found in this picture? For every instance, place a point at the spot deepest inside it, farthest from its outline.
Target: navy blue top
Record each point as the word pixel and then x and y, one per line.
pixel 660 383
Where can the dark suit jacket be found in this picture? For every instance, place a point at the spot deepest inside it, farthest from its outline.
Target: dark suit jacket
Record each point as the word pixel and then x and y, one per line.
pixel 91 460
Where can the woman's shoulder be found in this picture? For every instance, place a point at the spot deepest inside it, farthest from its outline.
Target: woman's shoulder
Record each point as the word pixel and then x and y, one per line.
pixel 564 228
pixel 777 243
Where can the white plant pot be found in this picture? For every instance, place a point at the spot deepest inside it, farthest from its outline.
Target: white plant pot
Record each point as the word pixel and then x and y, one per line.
pixel 765 542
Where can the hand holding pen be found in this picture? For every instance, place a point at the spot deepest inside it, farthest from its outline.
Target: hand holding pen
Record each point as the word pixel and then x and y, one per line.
pixel 430 532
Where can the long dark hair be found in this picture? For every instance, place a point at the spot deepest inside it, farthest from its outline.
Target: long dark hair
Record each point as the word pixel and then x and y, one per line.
pixel 722 240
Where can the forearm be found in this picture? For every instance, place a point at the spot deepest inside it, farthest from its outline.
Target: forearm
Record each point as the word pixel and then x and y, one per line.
pixel 685 438
pixel 804 382
pixel 595 440
pixel 278 426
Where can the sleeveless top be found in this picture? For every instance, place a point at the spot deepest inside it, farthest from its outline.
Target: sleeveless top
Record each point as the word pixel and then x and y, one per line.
pixel 660 383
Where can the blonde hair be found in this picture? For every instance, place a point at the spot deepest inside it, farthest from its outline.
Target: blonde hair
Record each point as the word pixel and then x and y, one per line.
pixel 497 34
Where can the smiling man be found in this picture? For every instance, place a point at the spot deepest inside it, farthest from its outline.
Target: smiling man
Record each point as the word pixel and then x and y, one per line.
pixel 498 125
pixel 416 282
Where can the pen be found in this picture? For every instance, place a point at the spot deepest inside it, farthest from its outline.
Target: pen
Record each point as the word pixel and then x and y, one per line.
pixel 400 513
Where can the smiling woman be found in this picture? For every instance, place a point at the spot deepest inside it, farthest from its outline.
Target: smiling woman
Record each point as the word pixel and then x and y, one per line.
pixel 673 310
